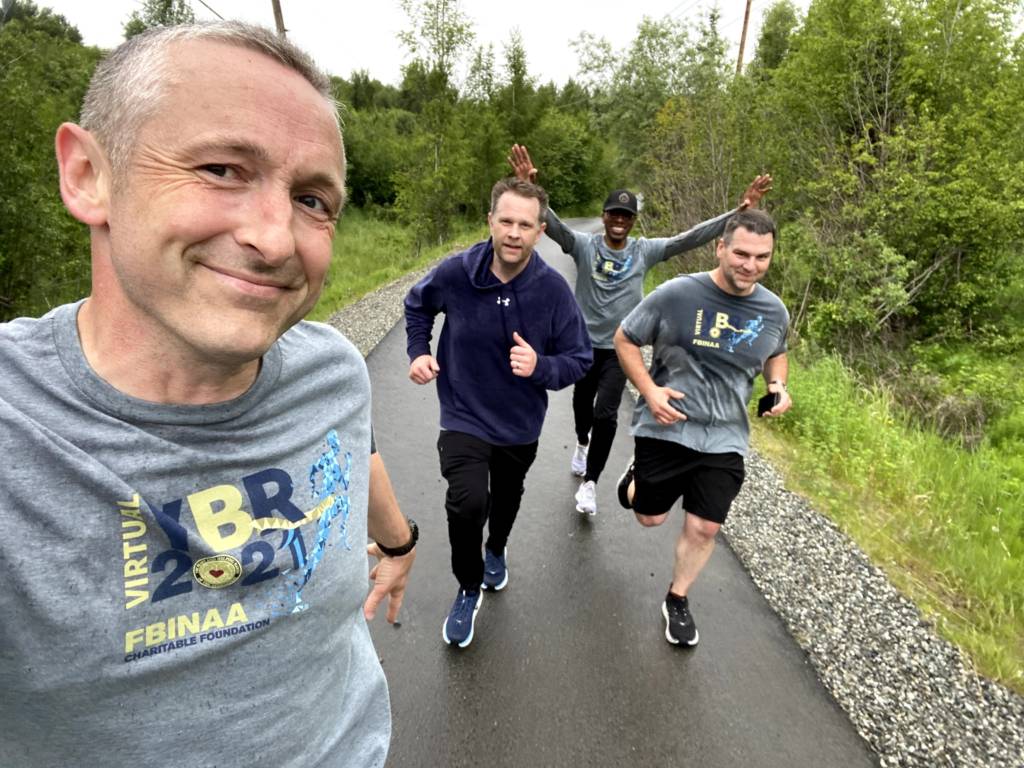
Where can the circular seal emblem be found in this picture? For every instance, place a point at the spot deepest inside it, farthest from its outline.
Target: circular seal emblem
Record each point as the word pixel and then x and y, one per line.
pixel 623 197
pixel 217 572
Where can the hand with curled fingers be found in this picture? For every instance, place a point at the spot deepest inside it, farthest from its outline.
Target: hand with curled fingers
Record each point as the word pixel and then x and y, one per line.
pixel 659 400
pixel 424 369
pixel 522 358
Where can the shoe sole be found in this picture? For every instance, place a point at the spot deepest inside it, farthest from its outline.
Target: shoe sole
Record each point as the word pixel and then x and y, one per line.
pixel 472 626
pixel 497 587
pixel 668 633
pixel 623 493
pixel 584 511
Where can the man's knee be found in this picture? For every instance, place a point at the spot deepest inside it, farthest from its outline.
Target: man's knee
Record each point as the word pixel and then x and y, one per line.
pixel 650 521
pixel 467 504
pixel 701 529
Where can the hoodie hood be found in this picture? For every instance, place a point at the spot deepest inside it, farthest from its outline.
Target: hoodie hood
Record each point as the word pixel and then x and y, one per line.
pixel 477 263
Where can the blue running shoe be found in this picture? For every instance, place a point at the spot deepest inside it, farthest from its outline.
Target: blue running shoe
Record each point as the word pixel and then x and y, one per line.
pixel 458 627
pixel 495 570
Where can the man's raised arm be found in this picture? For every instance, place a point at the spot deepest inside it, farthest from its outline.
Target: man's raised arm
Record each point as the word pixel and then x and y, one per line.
pixel 525 170
pixel 708 230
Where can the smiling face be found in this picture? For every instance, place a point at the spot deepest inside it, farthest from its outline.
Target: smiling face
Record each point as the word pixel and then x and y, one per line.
pixel 617 226
pixel 515 229
pixel 219 230
pixel 742 261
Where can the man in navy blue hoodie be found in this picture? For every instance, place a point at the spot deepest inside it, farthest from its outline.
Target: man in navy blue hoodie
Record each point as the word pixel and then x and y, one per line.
pixel 512 331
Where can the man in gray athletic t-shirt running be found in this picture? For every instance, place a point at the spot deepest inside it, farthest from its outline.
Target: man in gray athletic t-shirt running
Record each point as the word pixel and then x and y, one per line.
pixel 712 334
pixel 610 269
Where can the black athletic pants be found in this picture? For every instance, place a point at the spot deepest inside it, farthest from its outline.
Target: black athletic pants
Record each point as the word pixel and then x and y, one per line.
pixel 485 485
pixel 595 407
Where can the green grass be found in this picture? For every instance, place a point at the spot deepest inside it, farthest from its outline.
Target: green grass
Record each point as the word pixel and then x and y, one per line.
pixel 947 525
pixel 371 252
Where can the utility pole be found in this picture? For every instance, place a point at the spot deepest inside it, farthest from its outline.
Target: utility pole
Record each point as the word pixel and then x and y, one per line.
pixel 743 38
pixel 279 18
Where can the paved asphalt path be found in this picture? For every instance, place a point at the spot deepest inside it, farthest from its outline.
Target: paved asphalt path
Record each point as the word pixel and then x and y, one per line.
pixel 569 665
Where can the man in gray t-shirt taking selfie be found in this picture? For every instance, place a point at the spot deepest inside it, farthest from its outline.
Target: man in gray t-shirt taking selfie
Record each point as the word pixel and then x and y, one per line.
pixel 712 334
pixel 189 482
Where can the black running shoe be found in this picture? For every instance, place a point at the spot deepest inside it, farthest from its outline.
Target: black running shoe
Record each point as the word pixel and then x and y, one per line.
pixel 679 626
pixel 623 487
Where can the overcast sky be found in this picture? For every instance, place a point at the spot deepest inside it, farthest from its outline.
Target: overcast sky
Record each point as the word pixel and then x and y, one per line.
pixel 343 35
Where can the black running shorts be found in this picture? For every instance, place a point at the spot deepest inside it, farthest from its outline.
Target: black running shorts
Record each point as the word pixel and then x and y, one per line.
pixel 665 471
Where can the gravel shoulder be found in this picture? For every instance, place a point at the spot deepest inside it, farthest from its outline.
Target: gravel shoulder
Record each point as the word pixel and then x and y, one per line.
pixel 912 695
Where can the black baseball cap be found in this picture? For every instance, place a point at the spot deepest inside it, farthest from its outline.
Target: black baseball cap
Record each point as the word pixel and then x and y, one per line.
pixel 621 200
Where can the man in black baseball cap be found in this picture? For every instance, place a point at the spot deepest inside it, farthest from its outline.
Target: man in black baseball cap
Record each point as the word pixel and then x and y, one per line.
pixel 621 200
pixel 610 269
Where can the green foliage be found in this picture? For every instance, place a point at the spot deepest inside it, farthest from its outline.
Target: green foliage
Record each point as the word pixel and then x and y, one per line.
pixel 376 144
pixel 778 24
pixel 158 13
pixel 44 253
pixel 516 99
pixel 570 159
pixel 370 252
pixel 40 19
pixel 948 525
pixel 439 34
pixel 901 123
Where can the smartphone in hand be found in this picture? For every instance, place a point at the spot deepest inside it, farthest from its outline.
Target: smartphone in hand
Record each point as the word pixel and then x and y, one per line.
pixel 768 402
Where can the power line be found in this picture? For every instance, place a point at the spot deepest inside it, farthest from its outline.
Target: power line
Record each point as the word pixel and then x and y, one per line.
pixel 207 7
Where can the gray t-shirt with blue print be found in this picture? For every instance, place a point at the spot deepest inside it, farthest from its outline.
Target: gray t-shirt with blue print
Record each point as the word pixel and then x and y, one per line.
pixel 183 584
pixel 709 345
pixel 609 282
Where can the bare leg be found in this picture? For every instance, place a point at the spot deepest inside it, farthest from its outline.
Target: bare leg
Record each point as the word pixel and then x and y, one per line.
pixel 693 548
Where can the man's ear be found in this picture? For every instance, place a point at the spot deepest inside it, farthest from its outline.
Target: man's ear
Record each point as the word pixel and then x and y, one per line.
pixel 84 174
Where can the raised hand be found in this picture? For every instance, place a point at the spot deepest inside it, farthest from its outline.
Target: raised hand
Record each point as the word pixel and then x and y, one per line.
pixel 522 166
pixel 758 188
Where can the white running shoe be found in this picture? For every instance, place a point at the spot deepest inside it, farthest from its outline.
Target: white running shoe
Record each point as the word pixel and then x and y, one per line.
pixel 586 498
pixel 579 460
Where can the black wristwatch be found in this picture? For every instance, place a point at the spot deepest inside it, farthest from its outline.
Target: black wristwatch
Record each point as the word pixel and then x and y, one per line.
pixel 406 548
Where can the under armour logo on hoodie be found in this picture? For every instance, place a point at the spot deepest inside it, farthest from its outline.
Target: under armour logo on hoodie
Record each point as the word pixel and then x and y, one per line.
pixel 504 301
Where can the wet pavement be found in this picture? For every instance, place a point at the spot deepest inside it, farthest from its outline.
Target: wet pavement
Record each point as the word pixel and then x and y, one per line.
pixel 569 665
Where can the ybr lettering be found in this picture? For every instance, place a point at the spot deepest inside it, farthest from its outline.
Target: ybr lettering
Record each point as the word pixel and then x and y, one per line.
pixel 182 626
pixel 136 565
pixel 220 515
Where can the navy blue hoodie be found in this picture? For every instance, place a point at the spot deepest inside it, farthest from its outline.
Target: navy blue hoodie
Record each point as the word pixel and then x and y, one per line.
pixel 479 394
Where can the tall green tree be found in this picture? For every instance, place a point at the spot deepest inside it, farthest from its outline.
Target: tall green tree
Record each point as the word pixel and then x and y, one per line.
pixel 516 99
pixel 158 13
pixel 433 186
pixel 44 72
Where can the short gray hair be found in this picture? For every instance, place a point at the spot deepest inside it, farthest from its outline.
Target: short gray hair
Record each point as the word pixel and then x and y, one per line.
pixel 127 86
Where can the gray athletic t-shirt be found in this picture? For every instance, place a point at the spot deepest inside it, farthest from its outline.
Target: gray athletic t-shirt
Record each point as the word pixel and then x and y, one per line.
pixel 183 584
pixel 609 283
pixel 709 345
